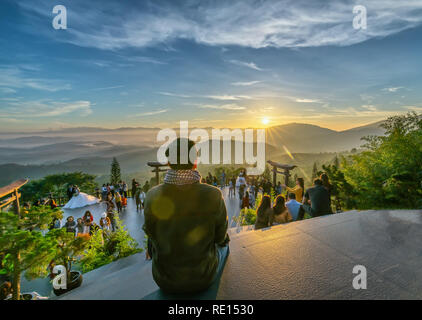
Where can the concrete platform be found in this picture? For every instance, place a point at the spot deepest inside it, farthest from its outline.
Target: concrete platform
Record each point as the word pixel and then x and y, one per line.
pixel 310 259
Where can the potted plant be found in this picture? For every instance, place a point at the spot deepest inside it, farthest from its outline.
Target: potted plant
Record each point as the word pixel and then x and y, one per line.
pixel 67 249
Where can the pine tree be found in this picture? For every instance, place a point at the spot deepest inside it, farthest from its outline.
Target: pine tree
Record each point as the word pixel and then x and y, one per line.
pixel 336 162
pixel 314 172
pixel 115 175
pixel 26 250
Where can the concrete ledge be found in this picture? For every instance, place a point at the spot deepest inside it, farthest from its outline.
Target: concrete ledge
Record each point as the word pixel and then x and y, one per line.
pixel 310 259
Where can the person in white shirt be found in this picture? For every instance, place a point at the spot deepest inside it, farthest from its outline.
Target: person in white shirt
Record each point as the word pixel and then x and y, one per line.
pixel 293 206
pixel 142 199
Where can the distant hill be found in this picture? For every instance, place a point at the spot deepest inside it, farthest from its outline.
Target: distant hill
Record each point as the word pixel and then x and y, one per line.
pixel 299 137
pixel 130 162
pixel 92 149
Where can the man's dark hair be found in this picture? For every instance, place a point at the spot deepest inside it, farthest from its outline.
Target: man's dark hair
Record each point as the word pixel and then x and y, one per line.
pixel 318 182
pixel 178 165
pixel 292 196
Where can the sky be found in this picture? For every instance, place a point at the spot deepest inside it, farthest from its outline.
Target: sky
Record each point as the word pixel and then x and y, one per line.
pixel 214 63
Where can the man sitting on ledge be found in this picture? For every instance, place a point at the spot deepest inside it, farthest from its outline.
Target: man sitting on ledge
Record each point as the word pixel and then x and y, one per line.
pixel 186 222
pixel 316 201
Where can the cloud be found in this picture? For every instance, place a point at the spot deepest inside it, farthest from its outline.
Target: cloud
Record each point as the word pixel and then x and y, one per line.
pixel 174 94
pixel 413 108
pixel 151 113
pixel 369 107
pixel 245 84
pixel 7 90
pixel 16 77
pixel 307 100
pixel 304 100
pixel 45 108
pixel 250 65
pixel 228 97
pixel 392 89
pixel 222 107
pixel 247 23
pixel 106 88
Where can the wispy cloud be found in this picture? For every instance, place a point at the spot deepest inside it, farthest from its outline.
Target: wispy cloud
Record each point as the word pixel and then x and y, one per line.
pixel 228 97
pixel 106 88
pixel 143 59
pixel 7 90
pixel 392 89
pixel 45 108
pixel 151 113
pixel 245 84
pixel 304 100
pixel 307 100
pixel 413 108
pixel 15 77
pixel 222 107
pixel 250 65
pixel 369 107
pixel 170 94
pixel 248 23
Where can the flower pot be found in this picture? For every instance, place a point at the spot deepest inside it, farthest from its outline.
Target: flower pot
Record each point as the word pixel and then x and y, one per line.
pixel 75 281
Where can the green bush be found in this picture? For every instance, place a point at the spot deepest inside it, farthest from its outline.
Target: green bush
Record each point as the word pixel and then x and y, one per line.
pixel 106 247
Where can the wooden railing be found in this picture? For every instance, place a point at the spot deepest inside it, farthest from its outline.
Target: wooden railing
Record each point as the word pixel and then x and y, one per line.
pixel 12 191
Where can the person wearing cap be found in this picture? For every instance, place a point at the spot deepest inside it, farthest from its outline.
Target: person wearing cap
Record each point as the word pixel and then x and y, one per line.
pixel 186 223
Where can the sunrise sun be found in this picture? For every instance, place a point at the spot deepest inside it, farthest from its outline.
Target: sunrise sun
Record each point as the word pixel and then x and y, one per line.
pixel 265 121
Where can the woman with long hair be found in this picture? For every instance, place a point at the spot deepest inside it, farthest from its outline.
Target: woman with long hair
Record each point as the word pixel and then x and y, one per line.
pixel 298 190
pixel 263 213
pixel 280 212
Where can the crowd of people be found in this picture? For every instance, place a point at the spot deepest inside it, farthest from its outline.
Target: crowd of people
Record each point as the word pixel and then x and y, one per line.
pixel 290 203
pixel 315 201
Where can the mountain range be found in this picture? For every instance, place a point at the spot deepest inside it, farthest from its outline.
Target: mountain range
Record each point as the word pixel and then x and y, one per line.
pixel 91 150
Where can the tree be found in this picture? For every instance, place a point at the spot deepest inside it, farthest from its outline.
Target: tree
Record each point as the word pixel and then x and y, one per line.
pixel 314 172
pixel 66 248
pixel 115 175
pixel 342 191
pixel 336 162
pixel 388 174
pixel 24 246
pixel 57 184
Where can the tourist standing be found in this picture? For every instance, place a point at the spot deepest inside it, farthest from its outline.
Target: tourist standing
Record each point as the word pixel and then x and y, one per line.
pixel 134 187
pixel 87 221
pixel 298 190
pixel 70 225
pixel 118 200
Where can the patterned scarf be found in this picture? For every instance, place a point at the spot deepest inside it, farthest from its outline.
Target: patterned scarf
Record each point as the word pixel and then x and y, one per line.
pixel 182 177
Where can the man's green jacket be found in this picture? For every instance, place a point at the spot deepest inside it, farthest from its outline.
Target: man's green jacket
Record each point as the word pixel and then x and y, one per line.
pixel 184 224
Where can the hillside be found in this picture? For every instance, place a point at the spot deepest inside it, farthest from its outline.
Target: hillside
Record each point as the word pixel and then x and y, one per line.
pixel 297 137
pixel 92 149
